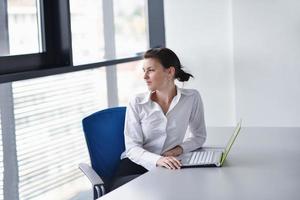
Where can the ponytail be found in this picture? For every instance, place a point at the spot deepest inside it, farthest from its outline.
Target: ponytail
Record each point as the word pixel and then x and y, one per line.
pixel 181 75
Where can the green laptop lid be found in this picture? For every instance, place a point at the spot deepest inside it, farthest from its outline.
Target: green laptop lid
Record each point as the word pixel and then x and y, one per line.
pixel 231 141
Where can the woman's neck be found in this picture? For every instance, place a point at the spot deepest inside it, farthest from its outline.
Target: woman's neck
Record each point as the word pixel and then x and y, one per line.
pixel 165 96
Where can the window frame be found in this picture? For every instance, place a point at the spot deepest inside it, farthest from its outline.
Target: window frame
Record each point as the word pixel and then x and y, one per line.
pixel 55 28
pixel 56 31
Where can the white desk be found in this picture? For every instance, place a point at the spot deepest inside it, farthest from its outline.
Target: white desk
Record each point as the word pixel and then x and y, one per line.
pixel 264 164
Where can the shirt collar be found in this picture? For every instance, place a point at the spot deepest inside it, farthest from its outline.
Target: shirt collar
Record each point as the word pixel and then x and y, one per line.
pixel 146 98
pixel 180 91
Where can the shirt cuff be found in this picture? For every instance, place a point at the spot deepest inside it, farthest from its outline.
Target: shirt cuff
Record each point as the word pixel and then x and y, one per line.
pixel 150 160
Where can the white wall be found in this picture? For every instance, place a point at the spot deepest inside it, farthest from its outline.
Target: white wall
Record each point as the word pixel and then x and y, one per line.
pixel 245 55
pixel 200 32
pixel 267 61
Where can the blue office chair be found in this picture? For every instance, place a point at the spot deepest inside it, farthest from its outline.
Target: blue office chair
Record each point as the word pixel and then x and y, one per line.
pixel 104 134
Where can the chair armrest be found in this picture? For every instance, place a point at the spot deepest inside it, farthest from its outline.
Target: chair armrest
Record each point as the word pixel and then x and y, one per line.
pixel 91 174
pixel 97 182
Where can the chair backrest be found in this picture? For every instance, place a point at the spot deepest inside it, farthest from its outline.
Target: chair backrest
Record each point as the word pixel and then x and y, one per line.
pixel 104 134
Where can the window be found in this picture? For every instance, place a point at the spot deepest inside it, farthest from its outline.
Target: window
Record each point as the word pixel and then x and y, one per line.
pixel 61 34
pixel 23 26
pixel 87 31
pixel 49 138
pixel 21 34
pixel 129 33
pixel 130 27
pixel 130 81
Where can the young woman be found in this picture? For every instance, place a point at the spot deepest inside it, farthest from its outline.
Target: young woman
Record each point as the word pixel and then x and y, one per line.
pixel 163 123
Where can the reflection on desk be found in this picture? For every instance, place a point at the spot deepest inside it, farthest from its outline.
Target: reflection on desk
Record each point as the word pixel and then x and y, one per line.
pixel 264 163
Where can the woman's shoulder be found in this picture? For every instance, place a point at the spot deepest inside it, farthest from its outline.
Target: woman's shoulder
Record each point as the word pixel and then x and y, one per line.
pixel 190 92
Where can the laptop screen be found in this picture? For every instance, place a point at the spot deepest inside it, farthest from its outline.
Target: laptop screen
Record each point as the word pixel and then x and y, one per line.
pixel 231 141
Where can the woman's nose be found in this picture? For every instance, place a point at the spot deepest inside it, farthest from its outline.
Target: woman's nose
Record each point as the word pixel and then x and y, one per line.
pixel 146 75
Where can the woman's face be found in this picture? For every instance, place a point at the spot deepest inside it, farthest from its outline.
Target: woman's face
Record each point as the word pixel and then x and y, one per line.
pixel 155 75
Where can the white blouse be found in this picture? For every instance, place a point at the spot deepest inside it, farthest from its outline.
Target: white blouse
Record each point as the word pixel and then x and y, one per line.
pixel 149 132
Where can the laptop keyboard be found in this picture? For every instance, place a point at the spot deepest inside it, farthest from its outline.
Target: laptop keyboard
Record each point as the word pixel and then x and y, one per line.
pixel 201 157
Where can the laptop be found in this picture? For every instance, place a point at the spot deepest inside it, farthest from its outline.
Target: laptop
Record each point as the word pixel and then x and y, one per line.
pixel 209 156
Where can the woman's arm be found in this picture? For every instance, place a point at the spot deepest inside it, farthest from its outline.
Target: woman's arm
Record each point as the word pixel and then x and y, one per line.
pixel 134 139
pixel 176 151
pixel 196 125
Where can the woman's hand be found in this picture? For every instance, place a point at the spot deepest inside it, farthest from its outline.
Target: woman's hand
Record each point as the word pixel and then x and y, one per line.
pixel 176 151
pixel 169 162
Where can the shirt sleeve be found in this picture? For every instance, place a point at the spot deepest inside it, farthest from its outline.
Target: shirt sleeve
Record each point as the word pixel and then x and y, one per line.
pixel 196 126
pixel 134 139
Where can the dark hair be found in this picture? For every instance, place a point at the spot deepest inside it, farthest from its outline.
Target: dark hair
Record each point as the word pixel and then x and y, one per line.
pixel 168 58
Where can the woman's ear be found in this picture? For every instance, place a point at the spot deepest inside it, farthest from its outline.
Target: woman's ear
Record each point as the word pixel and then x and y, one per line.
pixel 172 72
